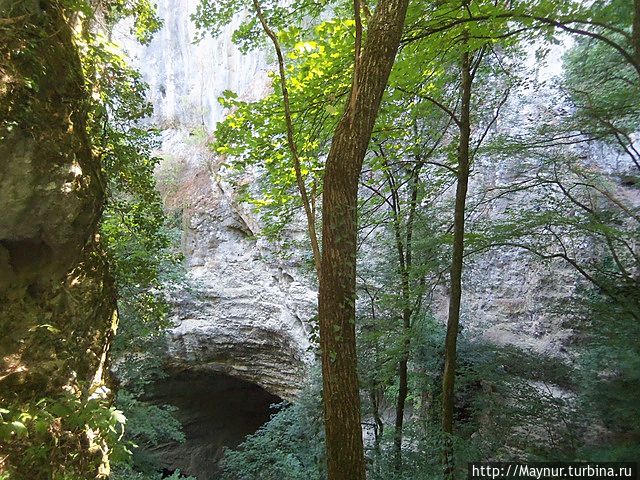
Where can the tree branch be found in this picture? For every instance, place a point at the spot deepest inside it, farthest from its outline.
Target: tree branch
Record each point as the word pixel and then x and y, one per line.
pixel 309 211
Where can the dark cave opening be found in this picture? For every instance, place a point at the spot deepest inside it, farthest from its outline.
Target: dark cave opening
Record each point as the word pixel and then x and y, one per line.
pixel 167 473
pixel 216 411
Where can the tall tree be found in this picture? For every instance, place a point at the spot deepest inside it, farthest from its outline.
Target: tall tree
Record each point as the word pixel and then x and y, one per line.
pixel 453 318
pixel 405 260
pixel 373 63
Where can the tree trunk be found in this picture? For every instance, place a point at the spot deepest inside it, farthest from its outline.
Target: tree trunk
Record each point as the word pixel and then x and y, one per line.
pixel 635 33
pixel 345 453
pixel 378 426
pixel 405 259
pixel 448 396
pixel 403 391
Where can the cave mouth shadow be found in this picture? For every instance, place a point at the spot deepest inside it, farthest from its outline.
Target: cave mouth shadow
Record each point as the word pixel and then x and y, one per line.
pixel 217 411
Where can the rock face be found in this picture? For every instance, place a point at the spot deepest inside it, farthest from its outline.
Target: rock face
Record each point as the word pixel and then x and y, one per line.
pixel 56 297
pixel 245 310
pixel 510 300
pixel 241 336
pixel 186 78
pixel 510 296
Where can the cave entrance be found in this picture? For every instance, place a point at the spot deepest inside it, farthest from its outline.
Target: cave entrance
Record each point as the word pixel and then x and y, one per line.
pixel 216 411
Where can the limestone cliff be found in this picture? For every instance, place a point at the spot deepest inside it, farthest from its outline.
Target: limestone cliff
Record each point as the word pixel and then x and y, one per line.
pixel 245 310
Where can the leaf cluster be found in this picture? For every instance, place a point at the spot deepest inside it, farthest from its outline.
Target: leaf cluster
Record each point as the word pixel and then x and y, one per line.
pixel 288 447
pixel 49 433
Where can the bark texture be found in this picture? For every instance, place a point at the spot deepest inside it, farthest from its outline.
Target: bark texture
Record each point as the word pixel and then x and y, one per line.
pixel 635 34
pixel 345 456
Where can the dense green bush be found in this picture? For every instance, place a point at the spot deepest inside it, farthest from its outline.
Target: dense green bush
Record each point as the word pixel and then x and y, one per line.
pixel 289 447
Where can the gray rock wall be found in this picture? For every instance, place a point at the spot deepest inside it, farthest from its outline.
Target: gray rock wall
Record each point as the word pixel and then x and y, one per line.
pixel 244 310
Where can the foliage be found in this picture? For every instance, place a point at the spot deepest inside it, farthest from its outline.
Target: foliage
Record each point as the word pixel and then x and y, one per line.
pixel 415 128
pixel 288 447
pixel 49 434
pixel 139 243
pixel 133 227
pixel 142 12
pixel 510 402
pixel 252 135
pixel 53 430
pixel 606 108
pixel 609 380
pixel 604 101
pixel 507 400
pixel 211 16
pixel 126 472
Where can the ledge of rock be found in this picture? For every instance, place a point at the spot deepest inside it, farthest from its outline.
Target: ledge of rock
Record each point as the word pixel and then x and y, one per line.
pixel 245 310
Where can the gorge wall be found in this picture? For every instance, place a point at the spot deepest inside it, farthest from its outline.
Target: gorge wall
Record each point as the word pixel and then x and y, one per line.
pixel 244 310
pixel 241 336
pixel 57 299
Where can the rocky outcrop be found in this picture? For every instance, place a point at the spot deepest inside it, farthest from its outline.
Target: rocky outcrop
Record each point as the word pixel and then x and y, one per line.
pixel 186 77
pixel 245 309
pixel 56 297
pixel 513 298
